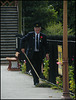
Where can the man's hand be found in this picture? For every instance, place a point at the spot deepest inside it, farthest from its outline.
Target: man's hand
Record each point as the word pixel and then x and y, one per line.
pixel 47 56
pixel 17 54
pixel 23 50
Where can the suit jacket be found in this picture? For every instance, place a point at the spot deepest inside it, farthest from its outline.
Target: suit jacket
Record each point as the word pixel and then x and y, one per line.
pixel 30 39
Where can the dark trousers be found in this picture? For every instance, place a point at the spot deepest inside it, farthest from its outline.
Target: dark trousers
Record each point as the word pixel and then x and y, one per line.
pixel 36 61
pixel 28 66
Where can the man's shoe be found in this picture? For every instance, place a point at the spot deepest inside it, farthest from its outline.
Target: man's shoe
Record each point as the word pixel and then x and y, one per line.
pixel 36 84
pixel 30 73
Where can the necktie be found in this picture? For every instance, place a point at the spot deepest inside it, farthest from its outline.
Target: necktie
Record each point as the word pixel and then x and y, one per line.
pixel 37 42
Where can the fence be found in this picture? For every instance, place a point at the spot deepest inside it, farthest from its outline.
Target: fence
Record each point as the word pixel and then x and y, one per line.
pixel 53 42
pixel 8 3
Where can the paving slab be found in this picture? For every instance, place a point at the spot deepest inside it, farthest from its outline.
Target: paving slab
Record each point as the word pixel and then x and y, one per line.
pixel 16 85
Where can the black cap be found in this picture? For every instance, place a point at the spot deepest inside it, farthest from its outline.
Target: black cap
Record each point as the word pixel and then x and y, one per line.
pixel 37 24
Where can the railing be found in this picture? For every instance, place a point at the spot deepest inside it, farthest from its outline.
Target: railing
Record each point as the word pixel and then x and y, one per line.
pixel 8 3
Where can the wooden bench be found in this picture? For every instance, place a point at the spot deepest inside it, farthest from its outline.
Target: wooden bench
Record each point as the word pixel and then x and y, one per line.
pixel 13 63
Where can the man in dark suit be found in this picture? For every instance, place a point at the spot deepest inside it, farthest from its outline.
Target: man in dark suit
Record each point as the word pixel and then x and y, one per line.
pixel 37 49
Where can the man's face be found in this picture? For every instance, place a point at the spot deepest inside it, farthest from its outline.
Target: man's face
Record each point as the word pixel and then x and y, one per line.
pixel 37 29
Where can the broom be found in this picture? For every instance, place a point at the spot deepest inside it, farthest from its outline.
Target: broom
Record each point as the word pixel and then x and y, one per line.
pixel 40 79
pixel 32 67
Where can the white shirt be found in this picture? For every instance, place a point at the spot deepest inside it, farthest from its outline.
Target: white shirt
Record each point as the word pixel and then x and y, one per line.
pixel 35 40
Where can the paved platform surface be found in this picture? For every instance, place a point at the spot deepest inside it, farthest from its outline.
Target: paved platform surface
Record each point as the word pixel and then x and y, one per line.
pixel 15 85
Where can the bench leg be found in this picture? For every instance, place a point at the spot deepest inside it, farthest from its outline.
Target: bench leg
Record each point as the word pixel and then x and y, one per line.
pixel 9 67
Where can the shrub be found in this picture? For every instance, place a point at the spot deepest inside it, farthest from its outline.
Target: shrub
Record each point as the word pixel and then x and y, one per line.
pixel 72 85
pixel 71 78
pixel 59 81
pixel 56 29
pixel 46 68
pixel 22 65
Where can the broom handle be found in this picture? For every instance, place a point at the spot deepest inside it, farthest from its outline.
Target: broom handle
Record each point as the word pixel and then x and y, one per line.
pixel 36 71
pixel 32 65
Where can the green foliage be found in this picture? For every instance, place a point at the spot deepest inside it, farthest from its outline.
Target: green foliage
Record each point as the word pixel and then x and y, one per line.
pixel 56 29
pixel 22 65
pixel 46 68
pixel 71 14
pixel 71 78
pixel 59 81
pixel 72 86
pixel 58 6
pixel 52 86
pixel 37 11
pixel 24 68
pixel 46 12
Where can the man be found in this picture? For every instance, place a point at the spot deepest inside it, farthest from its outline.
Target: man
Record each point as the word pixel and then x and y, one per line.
pixel 37 49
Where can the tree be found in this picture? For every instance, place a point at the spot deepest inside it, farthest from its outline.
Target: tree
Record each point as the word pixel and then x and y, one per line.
pixel 71 14
pixel 38 11
pixel 56 29
pixel 58 6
